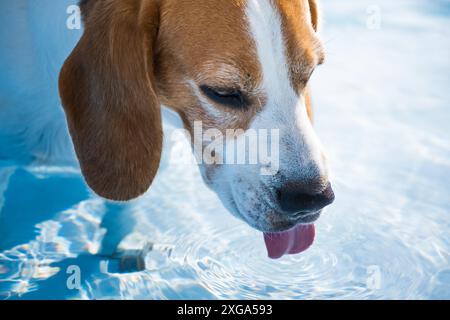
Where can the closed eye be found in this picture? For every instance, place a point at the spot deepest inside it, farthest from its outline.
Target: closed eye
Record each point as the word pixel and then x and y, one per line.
pixel 227 97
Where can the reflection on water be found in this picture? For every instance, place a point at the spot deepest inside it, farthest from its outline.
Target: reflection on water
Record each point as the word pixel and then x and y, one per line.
pixel 386 236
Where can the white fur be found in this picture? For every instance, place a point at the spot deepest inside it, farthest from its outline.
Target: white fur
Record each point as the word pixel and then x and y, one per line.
pixel 285 109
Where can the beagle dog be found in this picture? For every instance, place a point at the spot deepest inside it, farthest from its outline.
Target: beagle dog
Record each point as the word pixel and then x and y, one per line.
pixel 231 64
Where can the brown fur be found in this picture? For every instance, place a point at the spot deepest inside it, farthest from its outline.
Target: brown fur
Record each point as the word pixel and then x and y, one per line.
pixel 304 49
pixel 111 105
pixel 196 37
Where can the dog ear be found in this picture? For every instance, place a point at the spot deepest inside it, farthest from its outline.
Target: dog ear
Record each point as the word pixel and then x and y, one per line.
pixel 108 93
pixel 314 9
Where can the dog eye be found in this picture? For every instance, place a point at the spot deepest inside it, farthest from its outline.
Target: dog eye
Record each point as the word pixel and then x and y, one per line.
pixel 228 97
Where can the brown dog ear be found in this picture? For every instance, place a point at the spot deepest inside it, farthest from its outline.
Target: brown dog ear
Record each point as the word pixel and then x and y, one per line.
pixel 313 7
pixel 107 91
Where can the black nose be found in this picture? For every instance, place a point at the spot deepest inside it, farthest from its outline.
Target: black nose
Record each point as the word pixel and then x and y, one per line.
pixel 292 201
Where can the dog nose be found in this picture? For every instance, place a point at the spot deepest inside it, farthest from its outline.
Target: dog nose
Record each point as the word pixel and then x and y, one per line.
pixel 293 201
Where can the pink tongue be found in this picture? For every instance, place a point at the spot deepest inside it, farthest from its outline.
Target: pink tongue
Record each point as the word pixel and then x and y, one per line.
pixel 293 241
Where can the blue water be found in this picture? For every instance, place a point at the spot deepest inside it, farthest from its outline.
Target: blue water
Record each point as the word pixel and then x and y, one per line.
pixel 382 112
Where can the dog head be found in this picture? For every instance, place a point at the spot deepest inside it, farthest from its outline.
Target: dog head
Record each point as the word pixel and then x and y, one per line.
pixel 235 64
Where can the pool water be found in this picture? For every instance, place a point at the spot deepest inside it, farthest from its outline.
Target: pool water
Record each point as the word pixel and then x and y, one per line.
pixel 381 102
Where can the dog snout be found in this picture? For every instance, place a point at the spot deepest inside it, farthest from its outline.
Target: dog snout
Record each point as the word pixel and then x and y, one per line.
pixel 303 200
